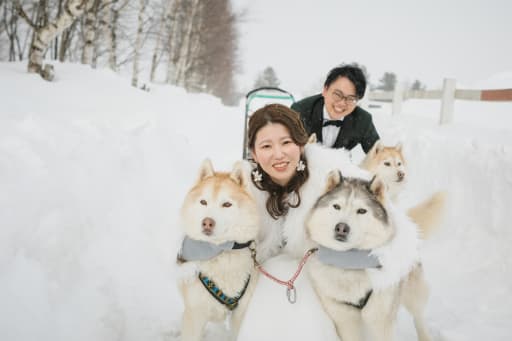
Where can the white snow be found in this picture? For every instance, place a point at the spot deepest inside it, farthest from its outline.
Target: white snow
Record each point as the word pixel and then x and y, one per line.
pixel 93 171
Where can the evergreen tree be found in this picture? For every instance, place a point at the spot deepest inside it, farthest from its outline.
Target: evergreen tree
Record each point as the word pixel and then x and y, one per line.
pixel 387 82
pixel 267 78
pixel 417 85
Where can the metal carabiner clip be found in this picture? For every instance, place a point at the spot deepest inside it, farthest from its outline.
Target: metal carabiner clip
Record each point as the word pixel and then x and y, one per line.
pixel 291 294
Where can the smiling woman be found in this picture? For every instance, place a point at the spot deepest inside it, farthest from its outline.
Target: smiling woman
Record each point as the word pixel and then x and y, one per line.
pixel 276 141
pixel 276 153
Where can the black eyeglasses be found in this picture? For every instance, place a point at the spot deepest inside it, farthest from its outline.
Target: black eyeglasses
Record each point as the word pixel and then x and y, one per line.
pixel 337 97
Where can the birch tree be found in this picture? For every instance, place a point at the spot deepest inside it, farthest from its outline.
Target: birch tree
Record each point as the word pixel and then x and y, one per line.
pixel 9 25
pixel 65 40
pixel 173 25
pixel 90 31
pixel 111 35
pixel 187 44
pixel 44 34
pixel 157 52
pixel 138 42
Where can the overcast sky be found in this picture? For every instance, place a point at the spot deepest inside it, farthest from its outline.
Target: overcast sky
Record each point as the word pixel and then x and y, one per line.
pixel 427 40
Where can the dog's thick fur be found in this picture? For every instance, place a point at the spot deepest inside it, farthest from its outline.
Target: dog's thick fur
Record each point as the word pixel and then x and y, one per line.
pixel 355 214
pixel 218 209
pixel 428 214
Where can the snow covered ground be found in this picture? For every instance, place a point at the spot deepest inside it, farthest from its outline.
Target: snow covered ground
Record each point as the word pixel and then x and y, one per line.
pixel 93 171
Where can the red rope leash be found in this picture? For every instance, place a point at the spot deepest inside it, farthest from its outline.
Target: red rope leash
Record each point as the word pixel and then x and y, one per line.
pixel 291 292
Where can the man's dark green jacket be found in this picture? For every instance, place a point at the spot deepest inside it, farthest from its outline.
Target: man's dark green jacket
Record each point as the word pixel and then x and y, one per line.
pixel 357 127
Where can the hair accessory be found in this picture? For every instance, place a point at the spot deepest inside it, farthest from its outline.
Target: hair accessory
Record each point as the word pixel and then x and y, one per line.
pixel 256 175
pixel 301 166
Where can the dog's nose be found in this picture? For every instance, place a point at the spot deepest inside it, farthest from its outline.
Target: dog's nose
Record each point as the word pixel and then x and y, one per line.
pixel 400 175
pixel 341 231
pixel 208 224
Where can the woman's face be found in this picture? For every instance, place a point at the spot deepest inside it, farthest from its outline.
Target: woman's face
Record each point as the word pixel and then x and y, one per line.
pixel 340 98
pixel 276 152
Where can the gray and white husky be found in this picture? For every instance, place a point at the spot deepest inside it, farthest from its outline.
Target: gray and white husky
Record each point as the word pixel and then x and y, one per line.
pixel 354 215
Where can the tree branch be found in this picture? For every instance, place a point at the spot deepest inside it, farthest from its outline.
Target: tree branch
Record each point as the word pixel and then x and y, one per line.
pixel 21 12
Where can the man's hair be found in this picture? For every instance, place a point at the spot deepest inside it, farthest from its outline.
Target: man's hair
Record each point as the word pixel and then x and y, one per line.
pixel 350 71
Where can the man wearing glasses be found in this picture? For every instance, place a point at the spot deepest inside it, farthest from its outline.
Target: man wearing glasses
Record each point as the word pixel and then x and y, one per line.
pixel 334 115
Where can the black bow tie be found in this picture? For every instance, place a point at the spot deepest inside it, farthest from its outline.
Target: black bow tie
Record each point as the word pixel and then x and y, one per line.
pixel 336 123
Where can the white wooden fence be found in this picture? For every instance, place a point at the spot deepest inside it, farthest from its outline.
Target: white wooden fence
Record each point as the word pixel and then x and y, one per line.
pixel 447 95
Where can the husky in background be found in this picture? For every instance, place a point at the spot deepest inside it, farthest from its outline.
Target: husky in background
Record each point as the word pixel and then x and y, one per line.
pixel 388 163
pixel 216 212
pixel 354 214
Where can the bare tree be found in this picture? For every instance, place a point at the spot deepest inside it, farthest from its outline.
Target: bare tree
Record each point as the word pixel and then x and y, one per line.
pixel 216 61
pixel 202 45
pixel 138 42
pixel 66 39
pixel 90 31
pixel 157 52
pixel 188 43
pixel 45 32
pixel 112 36
pixel 197 38
pixel 173 26
pixel 102 34
pixel 9 24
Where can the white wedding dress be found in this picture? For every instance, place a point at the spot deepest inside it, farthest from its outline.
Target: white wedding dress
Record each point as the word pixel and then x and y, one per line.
pixel 270 315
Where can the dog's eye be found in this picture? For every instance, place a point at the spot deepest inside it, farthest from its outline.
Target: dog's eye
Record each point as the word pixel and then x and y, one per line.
pixel 399 163
pixel 361 211
pixel 203 202
pixel 226 204
pixel 387 163
pixel 336 207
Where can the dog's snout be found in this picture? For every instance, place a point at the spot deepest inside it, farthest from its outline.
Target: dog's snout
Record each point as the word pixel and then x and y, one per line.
pixel 208 224
pixel 341 231
pixel 400 175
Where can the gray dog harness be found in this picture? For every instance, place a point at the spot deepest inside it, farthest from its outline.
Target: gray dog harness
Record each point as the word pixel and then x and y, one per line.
pixel 353 259
pixel 198 250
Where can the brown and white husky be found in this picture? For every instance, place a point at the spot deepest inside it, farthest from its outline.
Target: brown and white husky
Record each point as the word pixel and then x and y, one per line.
pixel 388 163
pixel 216 212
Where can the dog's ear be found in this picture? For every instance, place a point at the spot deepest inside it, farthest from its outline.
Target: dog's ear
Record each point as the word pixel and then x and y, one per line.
pixel 399 146
pixel 377 147
pixel 206 170
pixel 312 138
pixel 238 174
pixel 334 178
pixel 378 188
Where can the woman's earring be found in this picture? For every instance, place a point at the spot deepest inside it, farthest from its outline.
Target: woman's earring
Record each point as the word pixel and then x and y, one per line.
pixel 256 175
pixel 301 166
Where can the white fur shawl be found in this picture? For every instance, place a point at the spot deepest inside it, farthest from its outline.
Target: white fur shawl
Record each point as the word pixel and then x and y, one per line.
pixel 397 257
pixel 400 255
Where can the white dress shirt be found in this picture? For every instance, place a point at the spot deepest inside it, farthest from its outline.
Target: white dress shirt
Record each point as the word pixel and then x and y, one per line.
pixel 329 133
